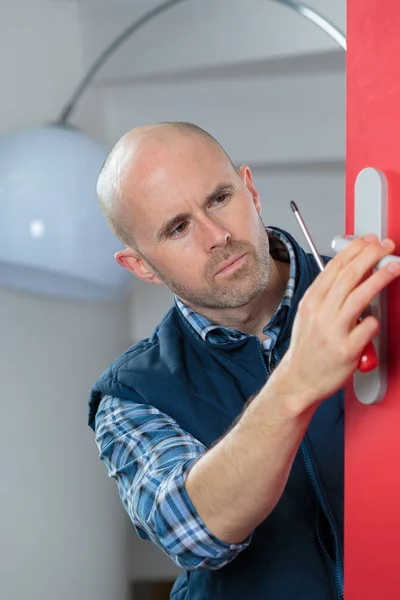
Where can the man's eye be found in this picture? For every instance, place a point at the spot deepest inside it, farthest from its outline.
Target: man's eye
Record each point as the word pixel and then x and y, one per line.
pixel 181 228
pixel 220 199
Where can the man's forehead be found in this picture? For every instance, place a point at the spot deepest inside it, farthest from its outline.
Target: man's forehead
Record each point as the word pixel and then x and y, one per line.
pixel 182 194
pixel 161 179
pixel 177 174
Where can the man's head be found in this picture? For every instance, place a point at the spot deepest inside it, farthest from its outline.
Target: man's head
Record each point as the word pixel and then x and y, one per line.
pixel 175 200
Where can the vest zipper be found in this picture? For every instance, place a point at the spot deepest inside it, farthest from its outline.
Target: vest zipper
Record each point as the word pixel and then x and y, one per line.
pixel 263 358
pixel 337 566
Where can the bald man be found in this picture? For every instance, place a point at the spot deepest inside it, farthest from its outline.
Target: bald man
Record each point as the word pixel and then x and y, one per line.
pixel 224 429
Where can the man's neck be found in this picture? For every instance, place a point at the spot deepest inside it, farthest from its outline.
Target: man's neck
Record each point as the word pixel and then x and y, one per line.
pixel 253 317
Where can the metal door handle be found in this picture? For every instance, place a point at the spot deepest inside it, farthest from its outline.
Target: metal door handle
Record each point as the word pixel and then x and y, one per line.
pixel 370 216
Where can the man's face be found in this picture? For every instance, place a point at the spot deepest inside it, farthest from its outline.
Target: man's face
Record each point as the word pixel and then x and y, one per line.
pixel 198 226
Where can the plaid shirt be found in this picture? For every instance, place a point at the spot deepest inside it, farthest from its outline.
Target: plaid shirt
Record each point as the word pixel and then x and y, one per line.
pixel 150 456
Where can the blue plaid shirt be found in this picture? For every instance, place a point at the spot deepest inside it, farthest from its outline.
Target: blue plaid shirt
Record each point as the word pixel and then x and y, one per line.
pixel 150 456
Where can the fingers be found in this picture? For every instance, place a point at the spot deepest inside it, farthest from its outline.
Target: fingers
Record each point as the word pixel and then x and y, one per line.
pixel 338 264
pixel 361 335
pixel 359 299
pixel 355 271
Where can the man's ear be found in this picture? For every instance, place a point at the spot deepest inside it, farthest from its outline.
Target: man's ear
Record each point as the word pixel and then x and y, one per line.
pixel 134 262
pixel 246 176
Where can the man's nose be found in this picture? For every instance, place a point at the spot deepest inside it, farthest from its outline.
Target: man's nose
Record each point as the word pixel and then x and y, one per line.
pixel 213 234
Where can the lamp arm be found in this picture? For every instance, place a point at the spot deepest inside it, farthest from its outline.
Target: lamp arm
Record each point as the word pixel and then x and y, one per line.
pixel 308 13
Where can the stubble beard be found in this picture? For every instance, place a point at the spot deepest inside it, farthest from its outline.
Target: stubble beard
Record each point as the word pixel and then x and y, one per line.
pixel 235 290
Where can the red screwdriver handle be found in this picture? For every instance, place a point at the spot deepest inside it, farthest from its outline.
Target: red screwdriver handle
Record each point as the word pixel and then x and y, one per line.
pixel 369 360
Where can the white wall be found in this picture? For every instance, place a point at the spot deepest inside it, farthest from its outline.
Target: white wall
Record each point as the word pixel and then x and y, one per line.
pixel 40 59
pixel 268 84
pixel 62 527
pixel 201 33
pixel 63 531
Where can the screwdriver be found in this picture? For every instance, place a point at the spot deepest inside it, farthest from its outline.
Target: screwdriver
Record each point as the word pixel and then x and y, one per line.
pixel 368 360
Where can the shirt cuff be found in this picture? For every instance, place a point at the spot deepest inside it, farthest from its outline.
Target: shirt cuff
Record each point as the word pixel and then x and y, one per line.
pixel 181 531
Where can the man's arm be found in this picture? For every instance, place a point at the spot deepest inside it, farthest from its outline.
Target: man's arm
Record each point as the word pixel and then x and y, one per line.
pixel 238 482
pixel 149 456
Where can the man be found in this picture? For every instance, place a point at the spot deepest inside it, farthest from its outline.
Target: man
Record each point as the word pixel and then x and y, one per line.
pixel 224 429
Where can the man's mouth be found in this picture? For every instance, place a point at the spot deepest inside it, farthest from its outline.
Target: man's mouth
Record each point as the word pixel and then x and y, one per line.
pixel 230 265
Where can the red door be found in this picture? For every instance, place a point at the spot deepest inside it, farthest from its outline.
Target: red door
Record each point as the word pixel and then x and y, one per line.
pixel 372 452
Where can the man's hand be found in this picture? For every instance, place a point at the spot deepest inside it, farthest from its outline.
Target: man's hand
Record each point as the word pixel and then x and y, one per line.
pixel 327 339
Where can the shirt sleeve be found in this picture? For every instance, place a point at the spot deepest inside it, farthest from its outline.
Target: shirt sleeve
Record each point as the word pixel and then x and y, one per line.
pixel 150 456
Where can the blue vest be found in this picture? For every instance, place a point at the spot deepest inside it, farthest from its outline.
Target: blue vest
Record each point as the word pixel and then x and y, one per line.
pixel 296 553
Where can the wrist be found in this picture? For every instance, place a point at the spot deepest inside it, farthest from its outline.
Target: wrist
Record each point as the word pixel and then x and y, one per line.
pixel 295 399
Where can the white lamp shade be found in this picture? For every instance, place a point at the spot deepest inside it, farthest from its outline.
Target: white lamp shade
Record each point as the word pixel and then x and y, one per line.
pixel 54 239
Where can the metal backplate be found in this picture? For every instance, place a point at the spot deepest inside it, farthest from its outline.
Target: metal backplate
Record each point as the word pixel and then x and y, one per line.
pixel 370 216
